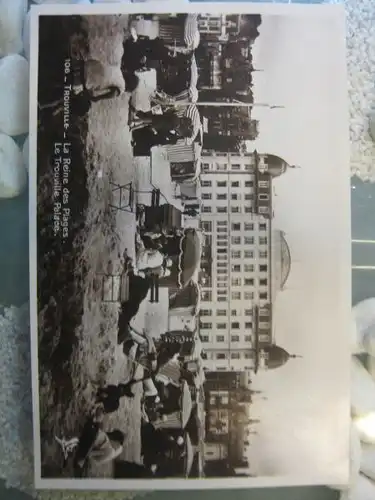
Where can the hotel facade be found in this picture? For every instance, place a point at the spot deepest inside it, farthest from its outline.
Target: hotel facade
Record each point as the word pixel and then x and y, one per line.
pixel 245 260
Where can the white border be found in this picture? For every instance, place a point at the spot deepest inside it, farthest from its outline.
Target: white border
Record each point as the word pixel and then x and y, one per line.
pixel 132 8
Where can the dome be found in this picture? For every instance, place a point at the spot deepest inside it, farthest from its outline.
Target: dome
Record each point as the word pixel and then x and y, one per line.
pixel 286 260
pixel 281 260
pixel 277 356
pixel 276 165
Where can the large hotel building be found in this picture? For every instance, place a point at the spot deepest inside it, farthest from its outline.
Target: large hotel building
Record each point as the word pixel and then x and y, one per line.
pixel 245 260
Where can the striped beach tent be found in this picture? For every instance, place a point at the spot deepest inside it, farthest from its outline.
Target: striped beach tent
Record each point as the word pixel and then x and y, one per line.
pixel 192 112
pixel 191 32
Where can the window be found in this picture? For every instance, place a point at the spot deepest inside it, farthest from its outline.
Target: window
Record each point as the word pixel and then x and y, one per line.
pixel 264 210
pixel 249 240
pixel 221 257
pixel 221 326
pixel 264 325
pixel 248 210
pixel 235 184
pixel 207 296
pixel 205 338
pixel 206 209
pixel 263 282
pixel 235 325
pixel 206 312
pixel 221 230
pixel 222 250
pixel 247 338
pixel 249 226
pixel 248 166
pixel 263 184
pixel 264 197
pixel 249 268
pixel 249 184
pixel 222 210
pixel 206 326
pixel 236 166
pixel 221 312
pixel 221 184
pixel 249 295
pixel 220 338
pixel 248 312
pixel 222 243
pixel 222 299
pixel 236 226
pixel 263 240
pixel 206 184
pixel 206 226
pixel 236 254
pixel 236 281
pixel 248 196
pixel 221 166
pixel 236 295
pixel 221 355
pixel 221 223
pixel 248 254
pixel 236 268
pixel 222 292
pixel 206 196
pixel 263 254
pixel 263 268
pixel 249 281
pixel 221 196
pixel 221 278
pixel 248 325
pixel 236 240
pixel 235 210
pixel 222 264
pixel 233 312
pixel 248 355
pixel 221 271
pixel 263 295
pixel 235 355
pixel 235 338
pixel 206 166
pixel 221 236
pixel 235 196
pixel 262 226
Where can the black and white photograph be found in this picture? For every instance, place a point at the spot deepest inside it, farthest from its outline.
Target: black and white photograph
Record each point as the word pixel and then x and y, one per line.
pixel 189 246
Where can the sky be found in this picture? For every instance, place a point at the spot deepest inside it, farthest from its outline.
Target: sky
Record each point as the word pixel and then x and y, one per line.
pixel 305 421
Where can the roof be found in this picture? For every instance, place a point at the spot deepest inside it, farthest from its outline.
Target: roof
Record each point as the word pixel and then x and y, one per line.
pixel 276 165
pixel 281 260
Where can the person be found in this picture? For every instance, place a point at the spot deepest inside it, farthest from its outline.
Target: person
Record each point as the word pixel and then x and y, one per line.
pixel 109 396
pixel 149 130
pixel 94 443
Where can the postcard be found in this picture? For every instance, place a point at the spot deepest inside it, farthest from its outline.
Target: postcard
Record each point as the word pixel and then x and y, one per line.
pixel 189 246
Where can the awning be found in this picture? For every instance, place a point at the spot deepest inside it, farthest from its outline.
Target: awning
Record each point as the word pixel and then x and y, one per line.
pixel 186 404
pixel 191 31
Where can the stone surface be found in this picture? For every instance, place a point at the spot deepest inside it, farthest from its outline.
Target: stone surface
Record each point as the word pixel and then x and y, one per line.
pixel 368 461
pixel 26 35
pixel 362 389
pixel 13 176
pixel 25 153
pixel 364 489
pixel 12 13
pixel 14 95
pixel 364 315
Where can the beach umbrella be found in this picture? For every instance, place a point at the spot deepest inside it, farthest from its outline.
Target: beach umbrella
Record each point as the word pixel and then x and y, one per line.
pixel 186 404
pixel 190 256
pixel 191 31
pixel 189 456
